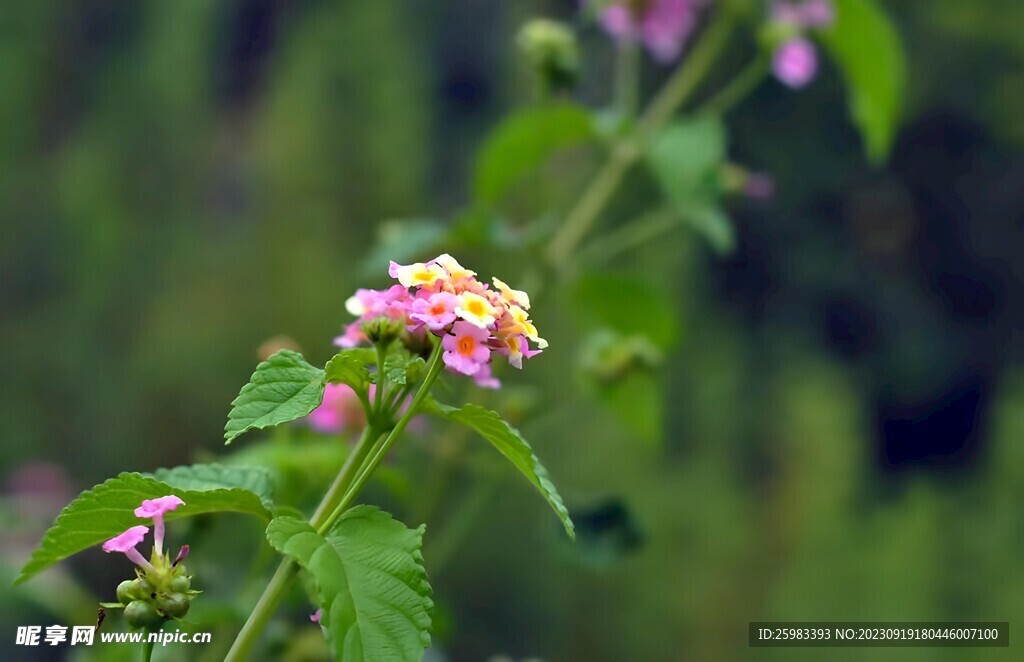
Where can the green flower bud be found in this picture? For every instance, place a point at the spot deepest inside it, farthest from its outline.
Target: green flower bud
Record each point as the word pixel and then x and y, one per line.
pixel 383 330
pixel 141 614
pixel 551 50
pixel 141 589
pixel 174 605
pixel 126 591
pixel 181 584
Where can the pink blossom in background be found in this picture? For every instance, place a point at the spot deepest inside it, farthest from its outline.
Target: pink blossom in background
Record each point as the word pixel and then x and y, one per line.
pixel 795 63
pixel 340 409
pixel 663 26
pixel 806 14
pixel 759 187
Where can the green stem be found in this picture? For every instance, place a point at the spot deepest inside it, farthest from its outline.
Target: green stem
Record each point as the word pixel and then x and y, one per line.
pixel 635 233
pixel 147 649
pixel 628 149
pixel 738 89
pixel 381 382
pixel 278 585
pixel 381 449
pixel 627 77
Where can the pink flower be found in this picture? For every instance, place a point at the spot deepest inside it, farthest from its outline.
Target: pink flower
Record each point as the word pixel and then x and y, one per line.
pixel 759 186
pixel 795 63
pixel 316 616
pixel 516 348
pixel 484 378
pixel 465 348
pixel 340 408
pixel 807 14
pixel 156 509
pixel 662 25
pixel 126 543
pixel 437 311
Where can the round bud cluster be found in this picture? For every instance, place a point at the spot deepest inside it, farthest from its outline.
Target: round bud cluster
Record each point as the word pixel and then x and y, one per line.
pixel 154 598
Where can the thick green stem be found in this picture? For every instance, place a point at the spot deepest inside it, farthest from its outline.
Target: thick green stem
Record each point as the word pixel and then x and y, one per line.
pixel 625 153
pixel 278 585
pixel 147 649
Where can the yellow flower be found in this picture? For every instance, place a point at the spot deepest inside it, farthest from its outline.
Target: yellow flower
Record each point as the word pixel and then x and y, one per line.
pixel 511 296
pixel 455 270
pixel 417 274
pixel 476 310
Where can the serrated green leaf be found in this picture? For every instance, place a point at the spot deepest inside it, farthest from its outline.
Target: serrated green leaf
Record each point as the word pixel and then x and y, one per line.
pixel 511 444
pixel 866 46
pixel 349 367
pixel 205 477
pixel 370 581
pixel 686 158
pixel 402 368
pixel 107 510
pixel 283 388
pixel 523 142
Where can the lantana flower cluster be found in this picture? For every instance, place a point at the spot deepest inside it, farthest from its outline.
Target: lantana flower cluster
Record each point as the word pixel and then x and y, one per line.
pixel 162 588
pixel 441 297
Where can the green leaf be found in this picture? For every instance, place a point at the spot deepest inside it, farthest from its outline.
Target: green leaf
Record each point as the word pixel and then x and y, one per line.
pixel 107 509
pixel 370 582
pixel 403 368
pixel 524 142
pixel 711 222
pixel 627 305
pixel 636 400
pixel 686 159
pixel 349 367
pixel 866 46
pixel 283 388
pixel 206 477
pixel 511 444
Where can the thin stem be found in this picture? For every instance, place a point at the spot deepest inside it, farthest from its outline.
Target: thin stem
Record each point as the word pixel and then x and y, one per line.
pixel 275 590
pixel 626 151
pixel 738 89
pixel 381 382
pixel 635 233
pixel 147 649
pixel 381 448
pixel 627 77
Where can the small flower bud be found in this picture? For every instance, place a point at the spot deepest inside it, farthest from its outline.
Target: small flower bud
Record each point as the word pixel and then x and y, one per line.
pixel 181 584
pixel 126 591
pixel 174 605
pixel 550 49
pixel 141 614
pixel 383 330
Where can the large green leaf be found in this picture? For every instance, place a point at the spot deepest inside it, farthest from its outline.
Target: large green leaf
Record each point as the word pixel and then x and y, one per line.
pixel 523 142
pixel 283 388
pixel 206 477
pixel 867 49
pixel 511 444
pixel 107 510
pixel 370 583
pixel 686 159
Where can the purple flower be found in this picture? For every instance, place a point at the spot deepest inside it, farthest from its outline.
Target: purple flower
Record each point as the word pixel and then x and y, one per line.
pixel 156 509
pixel 465 349
pixel 126 543
pixel 795 63
pixel 662 25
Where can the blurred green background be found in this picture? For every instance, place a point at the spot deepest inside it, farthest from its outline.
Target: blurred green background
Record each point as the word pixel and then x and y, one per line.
pixel 834 432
